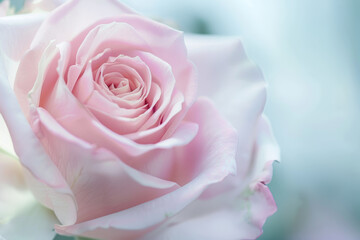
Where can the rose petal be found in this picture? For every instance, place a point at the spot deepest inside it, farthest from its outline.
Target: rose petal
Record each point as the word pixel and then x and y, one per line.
pixel 238 213
pixel 213 166
pixel 56 26
pixel 229 78
pixel 229 217
pixel 34 158
pixel 238 89
pixel 88 167
pixel 17 32
pixel 71 114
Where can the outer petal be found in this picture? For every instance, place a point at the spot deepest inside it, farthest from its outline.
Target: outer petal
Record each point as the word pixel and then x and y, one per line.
pixel 237 88
pixel 33 157
pixel 18 208
pixel 17 33
pixel 212 156
pixel 238 214
pixel 229 78
pixel 56 27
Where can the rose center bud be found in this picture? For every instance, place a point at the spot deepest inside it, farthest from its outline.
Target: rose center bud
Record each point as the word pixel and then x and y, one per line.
pixel 118 79
pixel 117 83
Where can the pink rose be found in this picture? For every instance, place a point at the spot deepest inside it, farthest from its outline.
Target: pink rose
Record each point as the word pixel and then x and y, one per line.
pixel 135 134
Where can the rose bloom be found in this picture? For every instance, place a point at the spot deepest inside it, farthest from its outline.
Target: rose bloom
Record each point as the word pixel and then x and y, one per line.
pixel 127 130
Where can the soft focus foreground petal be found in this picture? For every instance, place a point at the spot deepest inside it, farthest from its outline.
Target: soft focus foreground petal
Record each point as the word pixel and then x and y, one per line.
pixel 239 213
pixel 34 158
pixel 213 148
pixel 17 33
pixel 20 214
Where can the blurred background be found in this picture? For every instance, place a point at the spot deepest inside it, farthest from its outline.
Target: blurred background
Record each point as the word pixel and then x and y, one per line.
pixel 309 52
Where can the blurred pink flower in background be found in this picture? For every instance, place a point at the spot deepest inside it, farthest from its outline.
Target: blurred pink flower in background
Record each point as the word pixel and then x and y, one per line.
pixel 8 7
pixel 4 7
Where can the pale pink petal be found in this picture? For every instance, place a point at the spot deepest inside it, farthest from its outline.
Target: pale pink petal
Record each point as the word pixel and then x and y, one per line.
pixel 237 212
pixel 229 78
pixel 34 159
pixel 17 33
pixel 56 26
pixel 172 51
pixel 71 114
pixel 94 173
pixel 202 154
pixel 237 87
pixel 231 217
